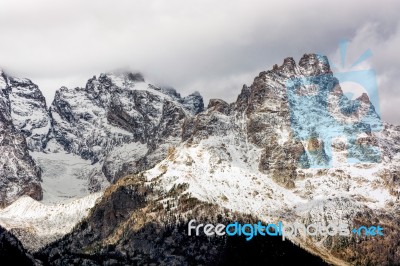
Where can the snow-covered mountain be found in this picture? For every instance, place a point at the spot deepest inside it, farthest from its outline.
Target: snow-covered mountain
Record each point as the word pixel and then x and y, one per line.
pixel 119 122
pixel 37 224
pixel 116 125
pixel 249 157
pixel 292 148
pixel 19 174
pixel 29 112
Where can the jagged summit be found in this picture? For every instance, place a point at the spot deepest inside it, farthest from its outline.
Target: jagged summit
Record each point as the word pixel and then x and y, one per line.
pixel 18 173
pixel 309 65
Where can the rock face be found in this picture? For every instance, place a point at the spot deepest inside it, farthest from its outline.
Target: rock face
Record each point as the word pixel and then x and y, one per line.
pixel 18 173
pixel 120 122
pixel 29 112
pixel 296 114
pixel 12 250
pixel 117 122
pixel 266 108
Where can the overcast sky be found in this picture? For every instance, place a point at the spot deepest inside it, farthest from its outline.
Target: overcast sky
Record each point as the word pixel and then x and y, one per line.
pixel 210 46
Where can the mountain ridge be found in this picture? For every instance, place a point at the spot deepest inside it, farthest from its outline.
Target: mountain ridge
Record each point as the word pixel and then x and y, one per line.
pixel 108 122
pixel 248 157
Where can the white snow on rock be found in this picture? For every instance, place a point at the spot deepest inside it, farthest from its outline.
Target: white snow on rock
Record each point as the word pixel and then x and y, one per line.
pixel 65 176
pixel 218 171
pixel 30 219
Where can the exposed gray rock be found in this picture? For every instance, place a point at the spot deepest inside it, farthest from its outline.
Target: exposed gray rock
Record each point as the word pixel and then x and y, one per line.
pixel 18 173
pixel 29 112
pixel 11 250
pixel 120 113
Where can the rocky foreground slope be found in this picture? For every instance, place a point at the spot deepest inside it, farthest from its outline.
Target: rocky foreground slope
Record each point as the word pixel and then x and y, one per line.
pixel 132 225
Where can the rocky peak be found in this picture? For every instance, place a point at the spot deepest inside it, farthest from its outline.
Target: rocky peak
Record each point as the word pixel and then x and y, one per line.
pixel 364 98
pixel 19 175
pixel 243 98
pixel 288 67
pixel 314 64
pixel 194 103
pixel 119 111
pixel 306 102
pixel 293 113
pixel 219 106
pixel 29 112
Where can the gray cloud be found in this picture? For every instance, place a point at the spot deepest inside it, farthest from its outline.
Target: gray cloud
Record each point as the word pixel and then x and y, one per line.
pixel 210 46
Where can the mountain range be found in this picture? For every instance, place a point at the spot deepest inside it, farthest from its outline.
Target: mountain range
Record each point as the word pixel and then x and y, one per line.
pixel 111 173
